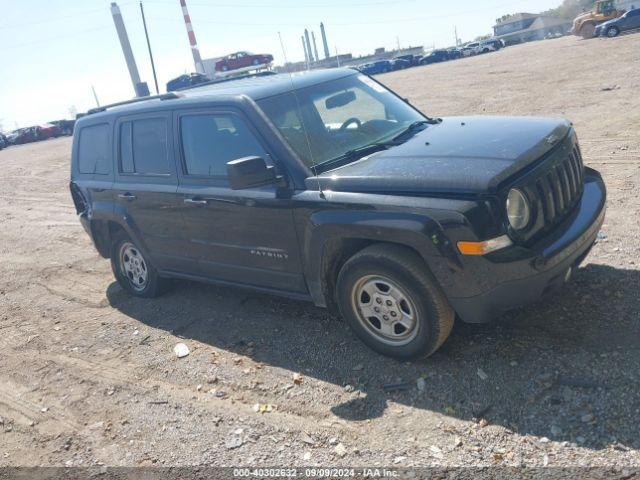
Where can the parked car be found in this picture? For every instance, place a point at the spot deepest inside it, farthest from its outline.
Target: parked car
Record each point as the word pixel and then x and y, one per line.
pixel 48 130
pixel 434 57
pixel 491 45
pixel 3 141
pixel 65 126
pixel 412 59
pixel 373 68
pixel 186 81
pixel 371 208
pixel 24 135
pixel 471 49
pixel 454 53
pixel 628 21
pixel 400 64
pixel 242 60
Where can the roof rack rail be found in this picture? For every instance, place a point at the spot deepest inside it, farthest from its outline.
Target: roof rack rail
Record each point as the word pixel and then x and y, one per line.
pixel 164 96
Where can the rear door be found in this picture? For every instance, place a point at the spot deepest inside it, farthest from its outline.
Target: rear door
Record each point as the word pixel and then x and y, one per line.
pixel 241 236
pixel 146 189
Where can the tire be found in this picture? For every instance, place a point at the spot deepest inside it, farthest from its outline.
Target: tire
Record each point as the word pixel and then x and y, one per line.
pixel 123 247
pixel 613 32
pixel 397 275
pixel 588 30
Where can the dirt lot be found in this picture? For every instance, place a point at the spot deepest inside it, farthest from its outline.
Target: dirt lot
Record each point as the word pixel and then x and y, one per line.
pixel 88 375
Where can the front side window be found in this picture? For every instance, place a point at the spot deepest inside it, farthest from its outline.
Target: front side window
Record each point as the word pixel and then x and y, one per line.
pixel 143 147
pixel 325 121
pixel 94 150
pixel 209 141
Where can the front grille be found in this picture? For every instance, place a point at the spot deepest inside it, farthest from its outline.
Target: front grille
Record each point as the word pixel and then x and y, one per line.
pixel 560 188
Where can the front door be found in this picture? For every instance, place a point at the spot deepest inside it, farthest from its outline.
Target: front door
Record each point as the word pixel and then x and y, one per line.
pixel 240 236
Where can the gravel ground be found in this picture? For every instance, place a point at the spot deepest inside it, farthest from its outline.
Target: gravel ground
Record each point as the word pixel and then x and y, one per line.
pixel 88 375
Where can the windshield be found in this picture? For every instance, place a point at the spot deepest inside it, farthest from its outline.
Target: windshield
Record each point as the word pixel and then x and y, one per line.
pixel 339 116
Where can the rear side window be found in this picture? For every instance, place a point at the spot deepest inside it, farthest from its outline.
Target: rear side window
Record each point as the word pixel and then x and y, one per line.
pixel 210 141
pixel 94 151
pixel 143 147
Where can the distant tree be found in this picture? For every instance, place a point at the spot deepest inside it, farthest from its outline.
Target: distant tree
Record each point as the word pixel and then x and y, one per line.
pixel 482 37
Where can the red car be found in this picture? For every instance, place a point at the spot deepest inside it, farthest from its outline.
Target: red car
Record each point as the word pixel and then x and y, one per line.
pixel 242 60
pixel 48 130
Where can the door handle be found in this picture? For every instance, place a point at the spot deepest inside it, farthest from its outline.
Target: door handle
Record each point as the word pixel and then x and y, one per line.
pixel 192 201
pixel 127 196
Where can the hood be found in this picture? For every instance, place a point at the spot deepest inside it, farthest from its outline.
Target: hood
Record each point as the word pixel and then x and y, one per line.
pixel 459 155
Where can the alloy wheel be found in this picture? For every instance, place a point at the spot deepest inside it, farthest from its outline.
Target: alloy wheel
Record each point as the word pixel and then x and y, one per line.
pixel 385 310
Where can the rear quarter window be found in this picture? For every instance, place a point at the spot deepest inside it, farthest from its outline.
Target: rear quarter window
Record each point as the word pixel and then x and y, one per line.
pixel 94 150
pixel 143 147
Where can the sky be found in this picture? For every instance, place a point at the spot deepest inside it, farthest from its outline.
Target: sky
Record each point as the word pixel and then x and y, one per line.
pixel 53 51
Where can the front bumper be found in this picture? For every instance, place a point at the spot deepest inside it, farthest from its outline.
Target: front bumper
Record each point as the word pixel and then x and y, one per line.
pixel 519 276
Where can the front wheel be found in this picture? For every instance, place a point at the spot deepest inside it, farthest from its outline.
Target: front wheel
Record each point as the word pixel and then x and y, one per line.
pixel 588 31
pixel 613 32
pixel 133 270
pixel 392 302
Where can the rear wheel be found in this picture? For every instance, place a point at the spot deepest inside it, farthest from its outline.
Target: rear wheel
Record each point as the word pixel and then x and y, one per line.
pixel 392 302
pixel 133 270
pixel 613 32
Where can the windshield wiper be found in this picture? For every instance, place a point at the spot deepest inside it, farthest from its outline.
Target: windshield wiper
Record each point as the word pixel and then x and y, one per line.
pixel 358 153
pixel 416 127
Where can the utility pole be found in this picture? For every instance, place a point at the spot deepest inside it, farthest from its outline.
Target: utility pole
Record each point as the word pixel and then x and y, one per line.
pixel 455 30
pixel 146 34
pixel 398 42
pixel 337 57
pixel 95 95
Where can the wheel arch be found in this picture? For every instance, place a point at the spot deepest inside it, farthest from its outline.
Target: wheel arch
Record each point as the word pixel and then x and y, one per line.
pixel 103 231
pixel 328 246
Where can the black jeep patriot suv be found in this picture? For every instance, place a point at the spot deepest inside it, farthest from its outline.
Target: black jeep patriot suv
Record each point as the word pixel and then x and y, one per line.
pixel 329 187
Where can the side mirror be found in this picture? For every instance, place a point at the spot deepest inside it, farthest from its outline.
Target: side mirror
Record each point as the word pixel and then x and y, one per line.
pixel 248 172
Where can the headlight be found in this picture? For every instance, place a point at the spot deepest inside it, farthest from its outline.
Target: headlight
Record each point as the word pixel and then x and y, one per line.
pixel 518 210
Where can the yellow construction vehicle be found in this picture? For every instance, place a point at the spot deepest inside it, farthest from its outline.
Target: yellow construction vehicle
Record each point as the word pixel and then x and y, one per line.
pixel 603 10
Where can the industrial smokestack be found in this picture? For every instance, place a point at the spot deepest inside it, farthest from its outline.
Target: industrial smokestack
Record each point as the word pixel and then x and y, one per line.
pixel 309 51
pixel 197 60
pixel 315 47
pixel 138 86
pixel 304 47
pixel 324 41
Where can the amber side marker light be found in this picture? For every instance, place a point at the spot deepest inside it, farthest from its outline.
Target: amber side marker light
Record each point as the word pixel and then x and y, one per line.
pixel 482 248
